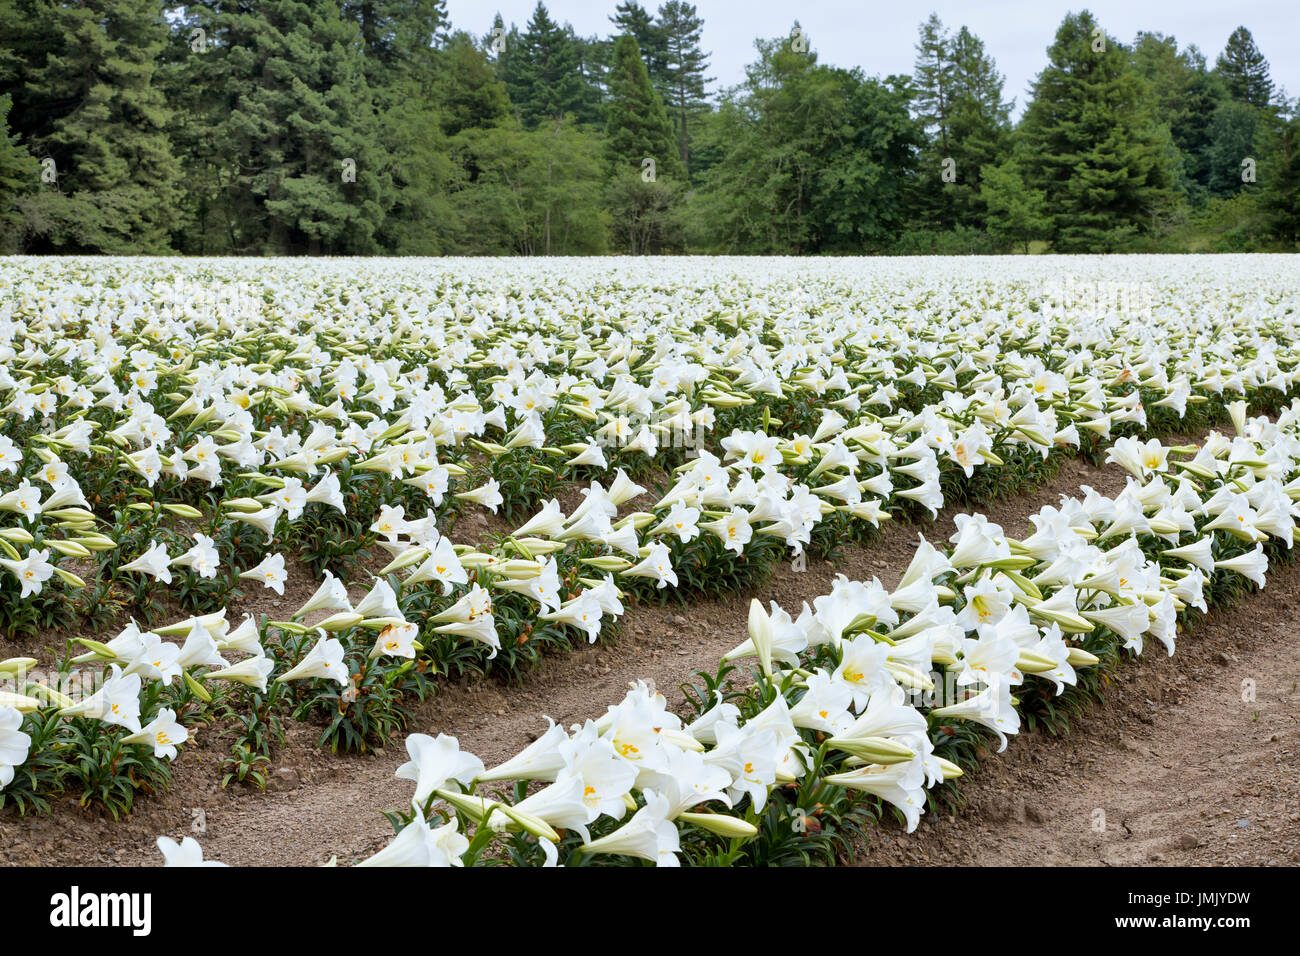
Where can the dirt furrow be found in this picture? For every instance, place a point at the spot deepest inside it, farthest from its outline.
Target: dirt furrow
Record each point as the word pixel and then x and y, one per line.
pixel 1192 759
pixel 320 805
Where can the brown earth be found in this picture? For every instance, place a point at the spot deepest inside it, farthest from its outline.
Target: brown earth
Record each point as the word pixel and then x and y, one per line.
pixel 1177 767
pixel 321 805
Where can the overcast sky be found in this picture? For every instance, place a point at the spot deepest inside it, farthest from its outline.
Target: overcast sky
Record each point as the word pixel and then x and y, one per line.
pixel 880 36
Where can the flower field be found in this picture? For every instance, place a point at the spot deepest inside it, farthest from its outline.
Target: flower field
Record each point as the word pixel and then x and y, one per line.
pixel 479 463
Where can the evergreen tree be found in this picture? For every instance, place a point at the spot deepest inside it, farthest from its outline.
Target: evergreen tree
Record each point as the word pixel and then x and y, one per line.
pixel 401 39
pixel 684 66
pixel 1185 95
pixel 543 74
pixel 470 94
pixel 1244 70
pixel 1016 214
pixel 291 136
pixel 932 80
pixel 637 126
pixel 957 95
pixel 19 174
pixel 85 97
pixel 979 121
pixel 1232 133
pixel 637 129
pixel 1279 175
pixel 633 19
pixel 1092 144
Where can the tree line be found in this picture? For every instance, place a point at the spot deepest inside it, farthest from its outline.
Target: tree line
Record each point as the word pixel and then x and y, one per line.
pixel 374 127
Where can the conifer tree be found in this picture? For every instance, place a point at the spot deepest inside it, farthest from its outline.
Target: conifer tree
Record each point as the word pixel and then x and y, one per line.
pixel 290 129
pixel 637 126
pixel 1092 144
pixel 684 66
pixel 89 102
pixel 542 70
pixel 18 178
pixel 1244 70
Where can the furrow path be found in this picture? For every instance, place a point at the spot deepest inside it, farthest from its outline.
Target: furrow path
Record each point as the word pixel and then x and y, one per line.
pixel 320 805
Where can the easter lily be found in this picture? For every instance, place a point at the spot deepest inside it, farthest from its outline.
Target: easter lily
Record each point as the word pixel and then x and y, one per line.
pixel 186 853
pixel 270 573
pixel 419 844
pixel 14 743
pixel 434 762
pixel 323 662
pixel 116 702
pixel 162 733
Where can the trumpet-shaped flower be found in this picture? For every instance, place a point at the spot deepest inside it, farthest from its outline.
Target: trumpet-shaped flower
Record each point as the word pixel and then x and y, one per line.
pixel 332 595
pixel 649 835
pixel 154 562
pixel 396 640
pixel 252 671
pixel 323 662
pixel 163 734
pixel 902 785
pixel 203 558
pixel 32 571
pixel 419 844
pixel 14 744
pixel 186 853
pixel 1251 565
pixel 435 761
pixel 270 573
pixel 116 702
pixel 657 564
pixel 991 707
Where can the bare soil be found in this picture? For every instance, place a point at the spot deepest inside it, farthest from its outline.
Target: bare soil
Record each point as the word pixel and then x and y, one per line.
pixel 1215 764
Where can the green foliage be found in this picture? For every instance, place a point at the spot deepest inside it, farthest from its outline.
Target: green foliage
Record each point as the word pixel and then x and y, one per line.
pixel 813 159
pixel 84 757
pixel 1244 70
pixel 245 766
pixel 1092 145
pixel 19 176
pixel 1016 214
pixel 636 126
pixel 85 96
pixel 542 71
pixel 220 129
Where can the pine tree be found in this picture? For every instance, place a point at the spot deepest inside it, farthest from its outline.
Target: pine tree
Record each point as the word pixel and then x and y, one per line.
pixel 86 98
pixel 933 201
pixel 1185 95
pixel 1279 175
pixel 637 126
pixel 290 137
pixel 401 39
pixel 1244 70
pixel 957 95
pixel 542 70
pixel 18 178
pixel 633 19
pixel 979 120
pixel 684 66
pixel 1092 144
pixel 637 130
pixel 932 80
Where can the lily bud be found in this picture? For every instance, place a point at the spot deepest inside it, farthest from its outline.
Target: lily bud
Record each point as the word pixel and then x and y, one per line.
pixel 1078 657
pixel 340 621
pixel 722 824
